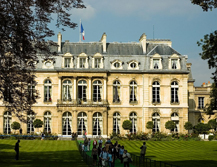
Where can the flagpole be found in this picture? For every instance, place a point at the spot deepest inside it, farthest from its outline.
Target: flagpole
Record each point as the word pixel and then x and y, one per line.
pixel 80 31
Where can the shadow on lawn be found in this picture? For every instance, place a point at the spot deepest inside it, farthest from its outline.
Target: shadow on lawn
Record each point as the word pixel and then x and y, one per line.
pixel 51 158
pixel 194 163
pixel 6 146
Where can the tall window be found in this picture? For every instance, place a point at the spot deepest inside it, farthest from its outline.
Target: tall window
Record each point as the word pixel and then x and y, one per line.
pixel 47 122
pixel 133 119
pixel 82 62
pixel 156 92
pixel 174 63
pixel 116 91
pixel 97 62
pixel 174 92
pixel 30 119
pixel 97 124
pixel 156 63
pixel 175 119
pixel 82 123
pixel 133 91
pixel 47 90
pixel 116 123
pixel 82 91
pixel 67 62
pixel 200 102
pixel 67 90
pixel 7 93
pixel 97 91
pixel 7 122
pixel 156 122
pixel 67 123
pixel 31 91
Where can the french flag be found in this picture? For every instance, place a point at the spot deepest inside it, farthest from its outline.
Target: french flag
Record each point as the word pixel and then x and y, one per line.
pixel 82 31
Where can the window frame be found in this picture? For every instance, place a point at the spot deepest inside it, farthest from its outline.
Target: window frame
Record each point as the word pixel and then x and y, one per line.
pixel 48 92
pixel 156 92
pixel 133 89
pixel 116 91
pixel 174 91
pixel 97 97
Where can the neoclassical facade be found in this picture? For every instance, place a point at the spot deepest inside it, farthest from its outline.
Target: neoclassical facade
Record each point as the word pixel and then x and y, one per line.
pixel 95 86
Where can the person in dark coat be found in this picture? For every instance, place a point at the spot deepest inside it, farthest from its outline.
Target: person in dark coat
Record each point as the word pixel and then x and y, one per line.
pixel 21 131
pixel 17 149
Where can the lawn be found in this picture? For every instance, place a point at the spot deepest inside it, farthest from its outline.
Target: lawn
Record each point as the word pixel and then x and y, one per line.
pixel 181 153
pixel 41 153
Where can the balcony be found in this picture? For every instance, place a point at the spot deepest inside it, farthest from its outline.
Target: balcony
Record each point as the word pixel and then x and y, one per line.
pixel 81 103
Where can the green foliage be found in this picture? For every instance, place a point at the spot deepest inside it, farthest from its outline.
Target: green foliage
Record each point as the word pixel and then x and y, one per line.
pixel 170 125
pixel 201 128
pixel 158 136
pixel 205 4
pixel 37 123
pixel 127 125
pixel 212 124
pixel 149 125
pixel 15 125
pixel 188 126
pixel 211 137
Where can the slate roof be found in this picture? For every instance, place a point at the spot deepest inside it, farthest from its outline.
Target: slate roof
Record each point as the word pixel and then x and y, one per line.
pixel 162 49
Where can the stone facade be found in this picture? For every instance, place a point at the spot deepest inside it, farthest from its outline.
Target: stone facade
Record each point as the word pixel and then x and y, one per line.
pixel 95 86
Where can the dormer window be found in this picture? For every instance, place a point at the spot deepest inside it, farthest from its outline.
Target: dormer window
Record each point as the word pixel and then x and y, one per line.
pixel 82 61
pixel 174 62
pixel 133 65
pixel 97 61
pixel 67 62
pixel 156 62
pixel 117 64
pixel 48 64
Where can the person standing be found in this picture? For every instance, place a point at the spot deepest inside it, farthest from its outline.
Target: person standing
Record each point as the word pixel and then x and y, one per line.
pixel 94 142
pixel 100 141
pixel 121 151
pixel 126 157
pixel 85 144
pixel 94 154
pixel 142 152
pixel 99 152
pixel 21 131
pixel 17 149
pixel 89 143
pixel 104 157
pixel 110 159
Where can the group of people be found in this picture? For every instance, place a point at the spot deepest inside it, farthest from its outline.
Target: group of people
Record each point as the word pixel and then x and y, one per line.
pixel 108 154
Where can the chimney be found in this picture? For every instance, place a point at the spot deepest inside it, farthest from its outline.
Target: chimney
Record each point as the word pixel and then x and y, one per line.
pixel 143 42
pixel 59 36
pixel 204 84
pixel 103 40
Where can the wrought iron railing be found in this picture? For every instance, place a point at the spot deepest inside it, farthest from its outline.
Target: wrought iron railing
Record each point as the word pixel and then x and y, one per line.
pixel 78 102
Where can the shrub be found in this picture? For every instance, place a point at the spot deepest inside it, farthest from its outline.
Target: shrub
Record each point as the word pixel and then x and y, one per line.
pixel 211 137
pixel 159 135
pixel 15 125
pixel 149 125
pixel 37 123
pixel 201 128
pixel 170 125
pixel 188 126
pixel 127 125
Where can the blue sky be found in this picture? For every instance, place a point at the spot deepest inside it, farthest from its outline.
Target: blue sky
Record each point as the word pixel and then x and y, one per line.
pixel 126 20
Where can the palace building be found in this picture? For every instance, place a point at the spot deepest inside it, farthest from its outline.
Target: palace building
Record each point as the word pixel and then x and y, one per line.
pixel 95 86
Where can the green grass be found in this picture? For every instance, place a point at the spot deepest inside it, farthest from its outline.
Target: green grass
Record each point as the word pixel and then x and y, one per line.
pixel 41 153
pixel 181 153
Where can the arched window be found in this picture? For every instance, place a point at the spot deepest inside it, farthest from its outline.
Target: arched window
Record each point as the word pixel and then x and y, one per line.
pixel 7 122
pixel 133 91
pixel 30 120
pixel 47 90
pixel 156 92
pixel 175 119
pixel 67 123
pixel 82 91
pixel 97 124
pixel 156 122
pixel 82 123
pixel 31 91
pixel 116 123
pixel 116 91
pixel 97 91
pixel 67 90
pixel 174 92
pixel 47 122
pixel 133 119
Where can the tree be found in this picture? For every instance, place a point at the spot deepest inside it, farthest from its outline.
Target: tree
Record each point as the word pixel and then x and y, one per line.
pixel 23 29
pixel 15 125
pixel 170 125
pixel 212 124
pixel 149 125
pixel 127 125
pixel 205 4
pixel 188 126
pixel 37 123
pixel 201 128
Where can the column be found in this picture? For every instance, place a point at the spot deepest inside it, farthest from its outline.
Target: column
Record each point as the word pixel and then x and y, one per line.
pixel 105 122
pixel 89 89
pixel 1 123
pixel 90 123
pixel 75 88
pixel 59 122
pixel 105 89
pixel 59 88
pixel 74 121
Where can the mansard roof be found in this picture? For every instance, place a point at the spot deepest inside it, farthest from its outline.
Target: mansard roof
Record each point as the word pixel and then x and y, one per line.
pixel 162 49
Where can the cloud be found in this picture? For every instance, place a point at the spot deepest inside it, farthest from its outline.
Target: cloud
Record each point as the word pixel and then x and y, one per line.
pixel 145 8
pixel 84 14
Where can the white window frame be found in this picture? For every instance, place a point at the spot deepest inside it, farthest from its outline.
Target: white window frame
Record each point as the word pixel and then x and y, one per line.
pixel 30 120
pixel 116 68
pixel 156 122
pixel 177 58
pixel 7 122
pixel 175 119
pixel 84 59
pixel 97 97
pixel 98 121
pixel 45 62
pixel 133 119
pixel 48 84
pixel 133 62
pixel 67 120
pixel 98 57
pixel 133 90
pixel 116 91
pixel 83 84
pixel 201 102
pixel 116 122
pixel 155 92
pixel 47 122
pixel 82 121
pixel 175 89
pixel 67 84
pixel 67 56
pixel 156 57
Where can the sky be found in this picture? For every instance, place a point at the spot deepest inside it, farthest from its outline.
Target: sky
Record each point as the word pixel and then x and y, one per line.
pixel 126 20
